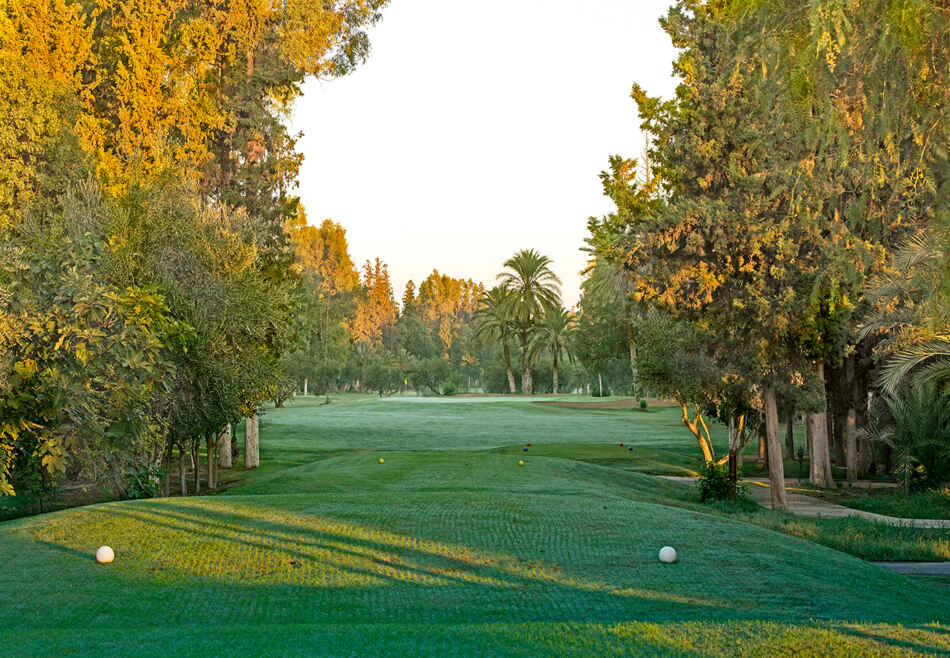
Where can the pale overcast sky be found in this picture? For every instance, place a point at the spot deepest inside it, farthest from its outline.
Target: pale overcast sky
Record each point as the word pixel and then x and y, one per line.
pixel 479 128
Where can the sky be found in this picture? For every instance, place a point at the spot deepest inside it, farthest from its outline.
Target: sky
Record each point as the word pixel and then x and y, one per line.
pixel 476 129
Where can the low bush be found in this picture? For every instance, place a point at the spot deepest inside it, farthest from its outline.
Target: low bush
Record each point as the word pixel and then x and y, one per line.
pixel 714 484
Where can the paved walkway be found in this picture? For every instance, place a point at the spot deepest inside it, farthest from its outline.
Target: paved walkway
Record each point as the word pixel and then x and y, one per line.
pixel 801 503
pixel 918 568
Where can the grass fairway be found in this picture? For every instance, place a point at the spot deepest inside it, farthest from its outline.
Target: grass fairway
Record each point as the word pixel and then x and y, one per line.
pixel 448 548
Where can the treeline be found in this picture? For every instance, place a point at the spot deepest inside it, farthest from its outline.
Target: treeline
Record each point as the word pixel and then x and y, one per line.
pixel 147 274
pixel 782 247
pixel 351 334
pixel 448 335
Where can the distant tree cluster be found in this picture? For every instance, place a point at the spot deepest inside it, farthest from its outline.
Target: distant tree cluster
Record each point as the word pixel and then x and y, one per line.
pixel 352 335
pixel 525 309
pixel 449 336
pixel 781 248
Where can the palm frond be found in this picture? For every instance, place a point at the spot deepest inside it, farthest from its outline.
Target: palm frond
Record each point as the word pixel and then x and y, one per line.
pixel 902 363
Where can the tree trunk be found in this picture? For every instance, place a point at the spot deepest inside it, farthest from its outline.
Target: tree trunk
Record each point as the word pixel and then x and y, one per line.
pixel 251 442
pixel 852 452
pixel 224 447
pixel 763 450
pixel 512 388
pixel 850 423
pixel 861 403
pixel 527 385
pixel 820 456
pixel 212 476
pixel 733 473
pixel 694 426
pixel 182 471
pixel 790 436
pixel 632 347
pixel 776 465
pixel 834 415
pixel 742 440
pixel 736 446
pixel 167 476
pixel 555 373
pixel 196 464
pixel 305 383
pixel 235 453
pixel 600 383
pixel 839 426
pixel 808 446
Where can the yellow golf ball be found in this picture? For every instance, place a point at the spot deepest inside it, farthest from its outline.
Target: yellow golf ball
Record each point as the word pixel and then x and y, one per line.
pixel 381 460
pixel 520 462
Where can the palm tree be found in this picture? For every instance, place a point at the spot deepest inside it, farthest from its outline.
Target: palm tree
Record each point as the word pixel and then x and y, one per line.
pixel 493 319
pixel 915 423
pixel 911 306
pixel 534 288
pixel 555 333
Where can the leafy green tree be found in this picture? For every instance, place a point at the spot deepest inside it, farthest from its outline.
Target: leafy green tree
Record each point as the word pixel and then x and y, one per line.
pixel 446 305
pixel 176 279
pixel 675 361
pixel 43 56
pixel 608 285
pixel 213 281
pixel 429 374
pixel 598 342
pixel 81 373
pixel 324 304
pixel 376 310
pixel 384 373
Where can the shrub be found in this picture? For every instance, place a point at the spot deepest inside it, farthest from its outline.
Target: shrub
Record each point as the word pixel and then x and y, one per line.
pixel 714 484
pixel 142 480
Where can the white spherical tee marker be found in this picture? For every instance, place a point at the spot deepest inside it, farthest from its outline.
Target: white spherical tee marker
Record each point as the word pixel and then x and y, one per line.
pixel 668 554
pixel 105 555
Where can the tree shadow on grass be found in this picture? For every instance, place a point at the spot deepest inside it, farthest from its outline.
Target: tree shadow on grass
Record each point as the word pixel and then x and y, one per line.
pixel 398 559
pixel 299 556
pixel 876 634
pixel 455 588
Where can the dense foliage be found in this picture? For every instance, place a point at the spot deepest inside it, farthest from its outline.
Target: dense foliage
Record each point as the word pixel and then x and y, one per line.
pixel 147 282
pixel 805 144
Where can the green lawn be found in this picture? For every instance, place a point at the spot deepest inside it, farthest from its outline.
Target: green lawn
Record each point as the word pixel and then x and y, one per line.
pixel 893 502
pixel 448 548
